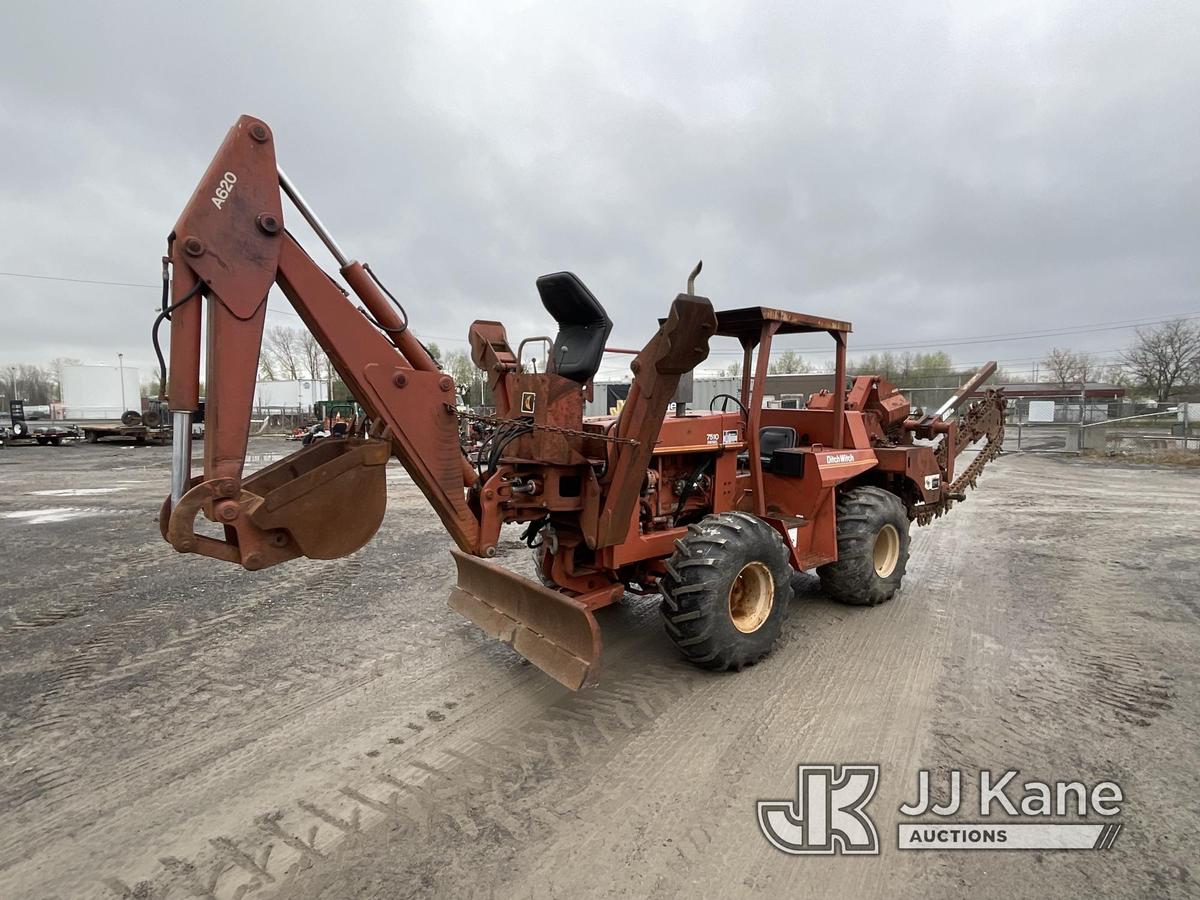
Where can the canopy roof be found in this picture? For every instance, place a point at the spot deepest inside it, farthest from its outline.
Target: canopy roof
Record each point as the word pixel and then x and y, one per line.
pixel 748 322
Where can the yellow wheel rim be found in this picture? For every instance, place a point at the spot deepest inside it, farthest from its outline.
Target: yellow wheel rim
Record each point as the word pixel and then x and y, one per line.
pixel 751 597
pixel 887 550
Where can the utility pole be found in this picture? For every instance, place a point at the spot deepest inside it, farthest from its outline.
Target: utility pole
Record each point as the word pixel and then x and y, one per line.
pixel 121 369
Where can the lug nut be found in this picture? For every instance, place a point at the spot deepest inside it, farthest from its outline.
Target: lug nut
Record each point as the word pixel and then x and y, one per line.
pixel 193 246
pixel 268 223
pixel 445 382
pixel 259 132
pixel 399 379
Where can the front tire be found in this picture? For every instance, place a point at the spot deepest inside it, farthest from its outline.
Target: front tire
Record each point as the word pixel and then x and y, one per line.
pixel 726 591
pixel 873 544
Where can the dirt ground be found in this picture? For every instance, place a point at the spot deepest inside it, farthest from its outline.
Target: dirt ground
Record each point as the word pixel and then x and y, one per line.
pixel 177 727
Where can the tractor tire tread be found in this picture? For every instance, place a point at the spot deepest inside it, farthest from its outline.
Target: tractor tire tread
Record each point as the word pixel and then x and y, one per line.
pixel 695 590
pixel 862 511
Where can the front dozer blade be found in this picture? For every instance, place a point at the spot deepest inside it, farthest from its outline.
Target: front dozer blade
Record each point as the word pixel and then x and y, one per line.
pixel 556 633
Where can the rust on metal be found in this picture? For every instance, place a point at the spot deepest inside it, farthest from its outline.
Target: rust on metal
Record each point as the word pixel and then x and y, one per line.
pixel 555 632
pixel 606 499
pixel 748 321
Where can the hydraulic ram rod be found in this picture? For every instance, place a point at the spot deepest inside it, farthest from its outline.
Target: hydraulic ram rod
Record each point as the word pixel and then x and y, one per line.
pixel 363 284
pixel 311 217
pixel 966 390
pixel 181 454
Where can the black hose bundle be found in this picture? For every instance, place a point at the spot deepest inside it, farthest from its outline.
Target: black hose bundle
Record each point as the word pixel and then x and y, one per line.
pixel 165 315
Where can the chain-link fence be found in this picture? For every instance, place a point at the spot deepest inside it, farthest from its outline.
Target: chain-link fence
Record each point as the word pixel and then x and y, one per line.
pixel 1118 426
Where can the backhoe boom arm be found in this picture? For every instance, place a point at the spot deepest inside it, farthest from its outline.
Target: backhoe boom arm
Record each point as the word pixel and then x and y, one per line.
pixel 228 248
pixel 231 242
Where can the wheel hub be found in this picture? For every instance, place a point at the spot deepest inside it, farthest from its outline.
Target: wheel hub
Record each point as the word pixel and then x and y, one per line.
pixel 751 597
pixel 887 551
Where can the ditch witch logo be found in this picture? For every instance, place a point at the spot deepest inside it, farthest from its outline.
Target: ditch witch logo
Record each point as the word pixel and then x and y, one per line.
pixel 829 814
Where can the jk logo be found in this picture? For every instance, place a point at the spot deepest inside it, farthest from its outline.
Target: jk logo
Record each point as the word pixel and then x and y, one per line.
pixel 827 815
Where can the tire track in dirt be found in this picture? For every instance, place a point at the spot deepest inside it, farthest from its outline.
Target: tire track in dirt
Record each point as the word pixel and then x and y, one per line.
pixel 1066 671
pixel 365 740
pixel 510 782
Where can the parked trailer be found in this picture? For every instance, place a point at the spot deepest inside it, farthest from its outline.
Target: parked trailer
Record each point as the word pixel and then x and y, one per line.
pixel 140 434
pixel 19 431
pixel 44 436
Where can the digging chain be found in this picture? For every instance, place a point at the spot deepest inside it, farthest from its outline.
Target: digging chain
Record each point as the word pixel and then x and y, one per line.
pixel 983 419
pixel 497 420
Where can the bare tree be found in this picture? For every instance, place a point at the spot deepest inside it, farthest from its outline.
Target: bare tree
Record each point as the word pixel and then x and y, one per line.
pixel 284 348
pixel 1165 358
pixel 314 356
pixel 33 384
pixel 8 387
pixel 733 370
pixel 1068 367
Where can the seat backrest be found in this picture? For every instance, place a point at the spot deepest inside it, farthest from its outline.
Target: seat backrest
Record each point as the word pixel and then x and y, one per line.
pixel 583 326
pixel 772 438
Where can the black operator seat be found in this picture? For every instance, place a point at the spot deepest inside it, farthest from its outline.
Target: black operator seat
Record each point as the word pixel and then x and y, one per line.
pixel 772 438
pixel 583 326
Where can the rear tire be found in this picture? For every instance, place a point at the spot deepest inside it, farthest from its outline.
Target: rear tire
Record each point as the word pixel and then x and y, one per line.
pixel 873 544
pixel 539 556
pixel 726 591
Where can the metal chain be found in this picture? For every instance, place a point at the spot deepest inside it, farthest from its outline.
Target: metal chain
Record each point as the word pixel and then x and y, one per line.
pixel 555 429
pixel 976 422
pixel 968 478
pixel 970 429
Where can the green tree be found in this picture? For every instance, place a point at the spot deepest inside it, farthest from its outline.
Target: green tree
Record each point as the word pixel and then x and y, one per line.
pixel 789 362
pixel 467 378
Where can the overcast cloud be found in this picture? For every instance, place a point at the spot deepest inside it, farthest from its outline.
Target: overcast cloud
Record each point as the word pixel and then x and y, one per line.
pixel 930 171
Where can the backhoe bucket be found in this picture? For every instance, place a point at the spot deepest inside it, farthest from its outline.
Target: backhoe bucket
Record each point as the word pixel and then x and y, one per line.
pixel 323 502
pixel 330 496
pixel 555 632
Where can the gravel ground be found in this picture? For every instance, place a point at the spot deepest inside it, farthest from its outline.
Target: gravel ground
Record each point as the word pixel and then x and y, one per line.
pixel 176 727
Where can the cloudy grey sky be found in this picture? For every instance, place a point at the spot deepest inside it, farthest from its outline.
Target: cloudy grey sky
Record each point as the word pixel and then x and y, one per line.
pixel 934 172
